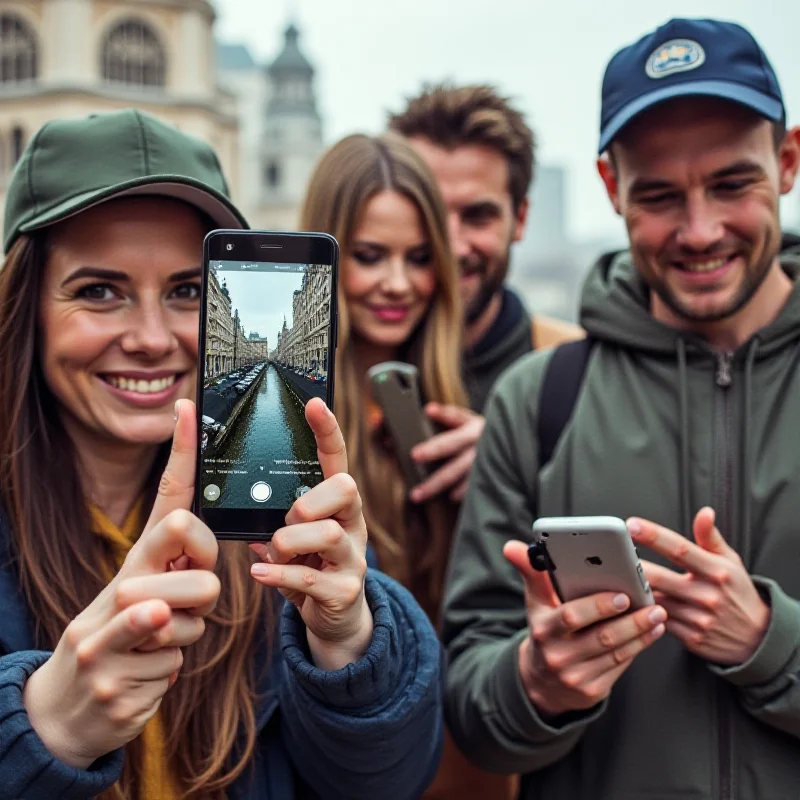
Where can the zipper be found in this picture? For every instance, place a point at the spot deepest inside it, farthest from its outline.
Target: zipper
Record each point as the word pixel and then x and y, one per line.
pixel 724 436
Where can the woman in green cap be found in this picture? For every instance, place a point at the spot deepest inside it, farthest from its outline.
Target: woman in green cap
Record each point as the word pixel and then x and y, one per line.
pixel 138 658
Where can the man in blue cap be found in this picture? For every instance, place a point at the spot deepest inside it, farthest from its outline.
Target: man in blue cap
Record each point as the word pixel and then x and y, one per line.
pixel 679 413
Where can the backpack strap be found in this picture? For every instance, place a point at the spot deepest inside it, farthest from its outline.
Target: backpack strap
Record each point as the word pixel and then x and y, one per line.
pixel 560 388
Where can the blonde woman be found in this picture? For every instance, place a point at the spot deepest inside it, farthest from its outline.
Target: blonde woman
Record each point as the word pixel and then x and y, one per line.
pixel 400 301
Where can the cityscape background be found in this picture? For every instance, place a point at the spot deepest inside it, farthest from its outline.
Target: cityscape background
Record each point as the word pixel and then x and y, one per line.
pixel 270 85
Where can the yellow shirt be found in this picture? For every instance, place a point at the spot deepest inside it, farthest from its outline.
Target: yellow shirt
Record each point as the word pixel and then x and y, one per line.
pixel 159 783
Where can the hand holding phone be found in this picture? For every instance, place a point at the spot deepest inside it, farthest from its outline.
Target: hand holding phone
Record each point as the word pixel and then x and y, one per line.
pixel 267 347
pixel 320 573
pixel 587 555
pixel 577 649
pixel 395 386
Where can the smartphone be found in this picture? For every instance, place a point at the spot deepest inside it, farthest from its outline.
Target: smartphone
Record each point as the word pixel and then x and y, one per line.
pixel 587 555
pixel 267 346
pixel 395 386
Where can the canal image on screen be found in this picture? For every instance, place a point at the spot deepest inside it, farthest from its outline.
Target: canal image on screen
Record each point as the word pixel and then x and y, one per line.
pixel 266 356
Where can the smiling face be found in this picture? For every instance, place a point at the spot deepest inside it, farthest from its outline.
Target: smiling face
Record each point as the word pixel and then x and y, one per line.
pixel 482 221
pixel 119 318
pixel 698 183
pixel 388 277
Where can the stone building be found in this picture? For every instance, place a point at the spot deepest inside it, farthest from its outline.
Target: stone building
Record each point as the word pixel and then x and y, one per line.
pixel 305 343
pixel 248 349
pixel 219 329
pixel 71 58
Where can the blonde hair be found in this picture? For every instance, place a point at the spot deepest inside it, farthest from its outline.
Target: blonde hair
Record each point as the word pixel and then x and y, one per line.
pixel 412 543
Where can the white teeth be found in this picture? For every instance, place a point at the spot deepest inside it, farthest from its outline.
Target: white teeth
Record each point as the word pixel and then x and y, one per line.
pixel 705 266
pixel 141 386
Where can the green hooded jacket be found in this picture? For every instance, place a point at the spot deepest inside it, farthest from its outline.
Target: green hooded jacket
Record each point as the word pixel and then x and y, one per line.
pixel 662 427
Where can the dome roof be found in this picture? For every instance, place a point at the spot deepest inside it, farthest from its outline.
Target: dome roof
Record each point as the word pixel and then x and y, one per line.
pixel 291 60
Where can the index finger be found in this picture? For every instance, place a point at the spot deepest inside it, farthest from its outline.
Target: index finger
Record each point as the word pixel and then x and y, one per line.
pixel 331 449
pixel 449 443
pixel 129 628
pixel 449 414
pixel 176 488
pixel 575 615
pixel 678 549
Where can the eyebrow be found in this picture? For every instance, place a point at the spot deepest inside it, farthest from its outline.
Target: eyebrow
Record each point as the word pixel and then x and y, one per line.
pixel 643 185
pixel 99 273
pixel 481 205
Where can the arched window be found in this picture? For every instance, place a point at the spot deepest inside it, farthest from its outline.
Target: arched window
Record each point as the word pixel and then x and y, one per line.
pixel 17 50
pixel 132 54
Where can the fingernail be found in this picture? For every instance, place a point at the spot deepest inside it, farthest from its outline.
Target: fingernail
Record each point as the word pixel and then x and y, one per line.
pixel 415 496
pixel 658 631
pixel 259 570
pixel 621 602
pixel 634 526
pixel 657 615
pixel 177 411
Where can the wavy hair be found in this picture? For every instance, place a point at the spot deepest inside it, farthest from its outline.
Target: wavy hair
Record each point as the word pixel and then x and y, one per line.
pixel 412 543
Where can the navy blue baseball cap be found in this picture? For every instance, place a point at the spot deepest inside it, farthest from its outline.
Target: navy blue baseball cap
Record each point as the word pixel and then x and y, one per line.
pixel 685 57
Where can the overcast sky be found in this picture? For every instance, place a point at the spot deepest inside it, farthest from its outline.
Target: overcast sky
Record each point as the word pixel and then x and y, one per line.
pixel 263 298
pixel 550 56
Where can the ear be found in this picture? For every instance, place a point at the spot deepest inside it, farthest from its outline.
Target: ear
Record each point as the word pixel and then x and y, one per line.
pixel 609 177
pixel 520 220
pixel 789 159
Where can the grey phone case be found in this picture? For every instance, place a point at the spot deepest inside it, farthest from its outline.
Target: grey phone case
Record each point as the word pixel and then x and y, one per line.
pixel 592 554
pixel 395 386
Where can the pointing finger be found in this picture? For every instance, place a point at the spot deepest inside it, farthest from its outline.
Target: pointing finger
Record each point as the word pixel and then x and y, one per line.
pixel 706 533
pixel 331 449
pixel 176 488
pixel 678 549
pixel 127 630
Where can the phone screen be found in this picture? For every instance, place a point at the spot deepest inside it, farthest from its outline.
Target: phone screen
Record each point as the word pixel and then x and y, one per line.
pixel 267 329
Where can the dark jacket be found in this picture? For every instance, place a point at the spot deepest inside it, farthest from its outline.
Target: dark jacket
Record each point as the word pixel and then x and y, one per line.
pixel 662 427
pixel 513 335
pixel 372 729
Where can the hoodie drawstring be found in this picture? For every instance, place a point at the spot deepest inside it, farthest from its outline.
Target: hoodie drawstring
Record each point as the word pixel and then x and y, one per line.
pixel 683 400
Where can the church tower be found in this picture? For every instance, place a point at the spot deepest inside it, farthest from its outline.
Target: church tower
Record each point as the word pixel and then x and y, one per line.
pixel 291 140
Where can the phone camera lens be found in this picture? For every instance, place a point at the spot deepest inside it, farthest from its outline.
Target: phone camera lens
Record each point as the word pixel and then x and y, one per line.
pixel 229 247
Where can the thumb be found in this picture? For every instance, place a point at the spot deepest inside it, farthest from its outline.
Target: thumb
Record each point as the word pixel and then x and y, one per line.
pixel 331 449
pixel 176 488
pixel 539 589
pixel 706 533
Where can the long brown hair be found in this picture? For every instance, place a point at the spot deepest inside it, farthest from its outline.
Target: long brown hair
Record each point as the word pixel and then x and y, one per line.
pixel 209 715
pixel 413 544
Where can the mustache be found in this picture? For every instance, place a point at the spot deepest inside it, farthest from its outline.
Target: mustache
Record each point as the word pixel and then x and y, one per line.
pixel 473 263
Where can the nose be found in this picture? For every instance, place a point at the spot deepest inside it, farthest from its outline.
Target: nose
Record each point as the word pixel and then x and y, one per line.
pixel 458 239
pixel 701 227
pixel 149 333
pixel 395 277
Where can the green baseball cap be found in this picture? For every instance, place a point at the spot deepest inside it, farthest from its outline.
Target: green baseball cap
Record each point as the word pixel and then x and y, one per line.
pixel 71 165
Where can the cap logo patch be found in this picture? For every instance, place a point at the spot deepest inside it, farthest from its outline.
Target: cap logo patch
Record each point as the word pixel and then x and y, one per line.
pixel 677 55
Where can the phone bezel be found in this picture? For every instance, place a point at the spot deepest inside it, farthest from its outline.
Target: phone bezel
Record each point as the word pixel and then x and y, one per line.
pixel 254 525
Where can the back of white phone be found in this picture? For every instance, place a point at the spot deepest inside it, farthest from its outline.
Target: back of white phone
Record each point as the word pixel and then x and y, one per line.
pixel 591 555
